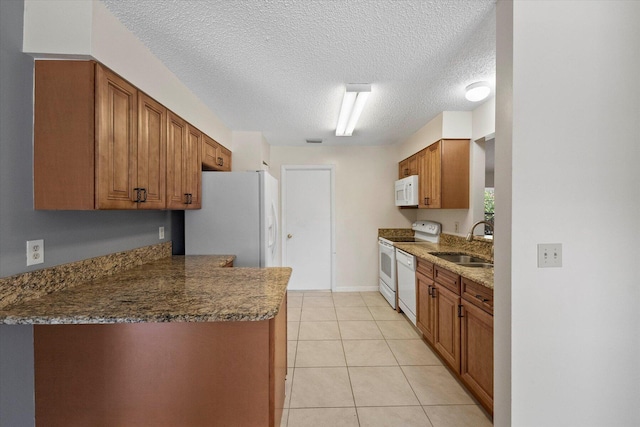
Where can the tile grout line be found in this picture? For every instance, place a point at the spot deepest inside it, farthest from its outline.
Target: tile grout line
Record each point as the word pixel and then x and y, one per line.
pixel 344 354
pixel 386 340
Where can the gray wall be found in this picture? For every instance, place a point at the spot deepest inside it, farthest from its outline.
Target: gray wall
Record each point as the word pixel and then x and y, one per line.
pixel 69 236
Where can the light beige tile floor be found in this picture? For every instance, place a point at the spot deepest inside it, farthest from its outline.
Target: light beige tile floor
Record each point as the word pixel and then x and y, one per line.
pixel 354 361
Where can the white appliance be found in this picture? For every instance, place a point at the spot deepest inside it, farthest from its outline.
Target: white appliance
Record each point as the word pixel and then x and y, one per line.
pixel 387 270
pixel 406 191
pixel 239 216
pixel 407 283
pixel 424 232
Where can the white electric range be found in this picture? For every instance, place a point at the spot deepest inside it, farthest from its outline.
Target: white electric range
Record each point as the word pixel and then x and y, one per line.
pixel 390 272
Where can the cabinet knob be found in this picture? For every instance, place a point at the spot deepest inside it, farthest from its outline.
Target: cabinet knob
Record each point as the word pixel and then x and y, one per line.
pixel 289 236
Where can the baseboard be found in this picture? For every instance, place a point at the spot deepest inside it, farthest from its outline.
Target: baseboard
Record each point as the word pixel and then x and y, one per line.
pixel 356 289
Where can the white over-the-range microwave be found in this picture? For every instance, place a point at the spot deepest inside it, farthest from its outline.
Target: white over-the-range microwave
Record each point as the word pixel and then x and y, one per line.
pixel 407 191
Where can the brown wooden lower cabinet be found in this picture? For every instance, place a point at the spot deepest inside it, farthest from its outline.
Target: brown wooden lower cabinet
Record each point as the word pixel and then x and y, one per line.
pixel 476 367
pixel 455 316
pixel 161 374
pixel 447 327
pixel 426 306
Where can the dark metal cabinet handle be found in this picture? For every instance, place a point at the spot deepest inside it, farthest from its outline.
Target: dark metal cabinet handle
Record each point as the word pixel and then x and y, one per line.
pixel 460 311
pixel 189 198
pixel 406 172
pixel 220 161
pixel 481 298
pixel 426 201
pixel 433 292
pixel 141 194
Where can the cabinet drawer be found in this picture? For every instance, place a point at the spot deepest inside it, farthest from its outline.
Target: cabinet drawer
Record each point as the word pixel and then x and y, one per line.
pixel 447 279
pixel 478 295
pixel 425 267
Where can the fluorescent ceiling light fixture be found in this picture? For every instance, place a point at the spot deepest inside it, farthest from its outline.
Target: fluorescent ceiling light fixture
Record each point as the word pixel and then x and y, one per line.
pixel 355 97
pixel 477 91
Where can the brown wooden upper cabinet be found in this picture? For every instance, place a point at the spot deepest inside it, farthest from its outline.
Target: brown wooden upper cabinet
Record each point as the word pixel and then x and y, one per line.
pixel 408 167
pixel 215 157
pixel 443 170
pixel 100 143
pixel 183 164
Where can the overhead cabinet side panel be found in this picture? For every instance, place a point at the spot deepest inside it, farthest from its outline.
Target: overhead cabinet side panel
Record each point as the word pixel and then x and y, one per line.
pixel 64 140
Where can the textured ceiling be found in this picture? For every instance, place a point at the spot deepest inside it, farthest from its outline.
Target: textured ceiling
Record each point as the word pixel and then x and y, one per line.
pixel 280 66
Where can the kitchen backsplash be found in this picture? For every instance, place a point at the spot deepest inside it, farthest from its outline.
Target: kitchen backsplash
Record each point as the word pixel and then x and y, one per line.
pixel 395 232
pixel 36 283
pixel 479 246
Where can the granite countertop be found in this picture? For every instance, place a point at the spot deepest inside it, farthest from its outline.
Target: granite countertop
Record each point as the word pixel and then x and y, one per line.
pixel 175 289
pixel 483 276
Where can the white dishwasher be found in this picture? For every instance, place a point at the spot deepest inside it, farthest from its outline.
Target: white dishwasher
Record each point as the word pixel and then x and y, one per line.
pixel 406 272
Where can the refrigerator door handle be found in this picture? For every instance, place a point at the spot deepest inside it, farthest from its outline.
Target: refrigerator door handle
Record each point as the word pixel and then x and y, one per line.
pixel 274 229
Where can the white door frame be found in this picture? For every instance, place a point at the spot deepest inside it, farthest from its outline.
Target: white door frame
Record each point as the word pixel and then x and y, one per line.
pixel 283 182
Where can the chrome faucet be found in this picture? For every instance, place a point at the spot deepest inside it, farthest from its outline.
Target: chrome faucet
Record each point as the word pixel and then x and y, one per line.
pixel 470 235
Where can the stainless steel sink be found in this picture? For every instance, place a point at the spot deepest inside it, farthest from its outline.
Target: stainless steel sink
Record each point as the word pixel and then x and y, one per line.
pixel 460 258
pixel 475 264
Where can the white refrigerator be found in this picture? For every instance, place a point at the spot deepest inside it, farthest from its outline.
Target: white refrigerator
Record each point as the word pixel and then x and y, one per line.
pixel 239 216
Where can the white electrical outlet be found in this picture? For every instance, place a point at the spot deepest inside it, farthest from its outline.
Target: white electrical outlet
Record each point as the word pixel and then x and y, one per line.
pixel 549 255
pixel 160 233
pixel 35 252
pixel 457 227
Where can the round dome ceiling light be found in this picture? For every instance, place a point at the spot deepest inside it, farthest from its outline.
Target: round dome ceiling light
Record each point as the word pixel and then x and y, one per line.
pixel 477 91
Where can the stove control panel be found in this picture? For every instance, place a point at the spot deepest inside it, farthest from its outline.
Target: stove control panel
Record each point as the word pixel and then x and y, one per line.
pixel 428 227
pixel 428 231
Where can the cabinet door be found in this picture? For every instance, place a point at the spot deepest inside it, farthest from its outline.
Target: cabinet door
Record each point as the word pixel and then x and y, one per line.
pixel 184 164
pixel 423 179
pixel 425 315
pixel 403 169
pixel 413 165
pixel 193 168
pixel 454 173
pixel 215 157
pixel 116 137
pixel 210 149
pixel 152 153
pixel 224 158
pixel 447 326
pixel 432 179
pixel 176 148
pixel 476 368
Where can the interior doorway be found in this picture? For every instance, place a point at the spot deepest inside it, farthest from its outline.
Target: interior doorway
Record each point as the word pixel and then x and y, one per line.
pixel 308 225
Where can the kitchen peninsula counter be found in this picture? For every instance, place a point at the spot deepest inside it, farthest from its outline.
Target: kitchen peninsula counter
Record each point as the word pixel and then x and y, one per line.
pixel 176 341
pixel 175 289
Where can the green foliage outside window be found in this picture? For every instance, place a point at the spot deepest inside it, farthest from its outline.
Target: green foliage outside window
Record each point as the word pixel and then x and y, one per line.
pixel 489 207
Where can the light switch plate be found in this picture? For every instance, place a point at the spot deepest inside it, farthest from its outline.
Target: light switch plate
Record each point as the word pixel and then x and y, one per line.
pixel 160 233
pixel 549 255
pixel 35 252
